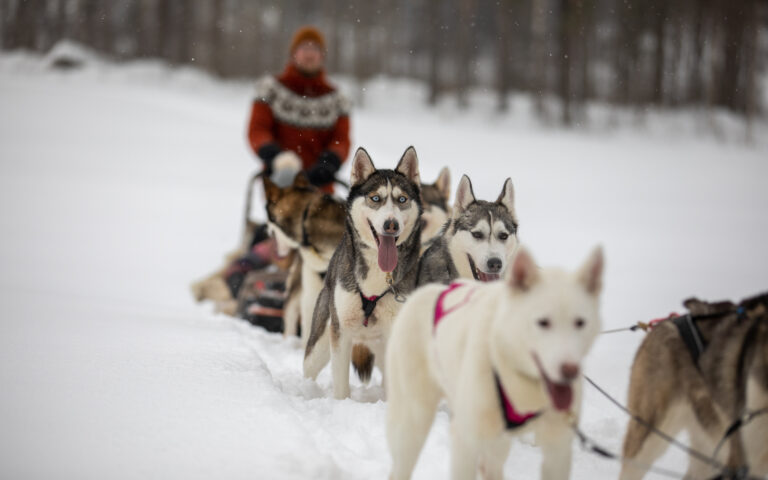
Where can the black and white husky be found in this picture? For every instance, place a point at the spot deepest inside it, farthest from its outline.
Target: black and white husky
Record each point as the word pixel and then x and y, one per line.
pixel 373 267
pixel 477 242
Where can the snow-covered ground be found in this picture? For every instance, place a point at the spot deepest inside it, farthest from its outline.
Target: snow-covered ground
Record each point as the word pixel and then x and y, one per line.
pixel 120 184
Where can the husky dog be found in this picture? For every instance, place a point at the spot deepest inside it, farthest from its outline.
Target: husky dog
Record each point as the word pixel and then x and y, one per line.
pixel 435 197
pixel 375 264
pixel 477 242
pixel 701 372
pixel 303 218
pixel 506 355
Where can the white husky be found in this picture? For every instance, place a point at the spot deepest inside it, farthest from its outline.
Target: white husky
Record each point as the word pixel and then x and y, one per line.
pixel 506 355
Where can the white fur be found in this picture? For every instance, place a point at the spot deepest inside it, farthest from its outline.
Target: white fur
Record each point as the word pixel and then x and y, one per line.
pixel 496 329
pixel 348 305
pixel 283 243
pixel 362 214
pixel 483 249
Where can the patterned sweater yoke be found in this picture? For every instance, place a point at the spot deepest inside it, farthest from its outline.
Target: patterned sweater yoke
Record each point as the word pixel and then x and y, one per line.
pixel 319 112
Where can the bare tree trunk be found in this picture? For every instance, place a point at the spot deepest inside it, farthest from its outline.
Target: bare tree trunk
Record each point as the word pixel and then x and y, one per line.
pixel 503 60
pixel 565 31
pixel 436 39
pixel 465 40
pixel 216 43
pixel 23 32
pixel 731 50
pixel 696 87
pixel 5 23
pixel 538 57
pixel 659 21
pixel 751 37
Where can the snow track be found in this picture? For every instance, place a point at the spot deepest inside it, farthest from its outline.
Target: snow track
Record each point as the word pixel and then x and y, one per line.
pixel 119 185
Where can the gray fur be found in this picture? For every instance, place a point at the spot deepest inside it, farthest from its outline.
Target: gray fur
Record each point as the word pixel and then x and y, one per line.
pixel 348 267
pixel 715 390
pixel 437 264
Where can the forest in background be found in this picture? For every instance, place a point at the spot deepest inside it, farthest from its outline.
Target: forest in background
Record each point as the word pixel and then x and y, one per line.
pixel 636 53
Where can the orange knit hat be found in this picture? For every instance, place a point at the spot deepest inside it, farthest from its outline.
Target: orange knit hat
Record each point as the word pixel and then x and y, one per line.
pixel 307 34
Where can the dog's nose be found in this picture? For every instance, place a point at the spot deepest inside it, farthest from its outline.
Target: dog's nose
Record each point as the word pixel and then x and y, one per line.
pixel 494 265
pixel 391 227
pixel 569 371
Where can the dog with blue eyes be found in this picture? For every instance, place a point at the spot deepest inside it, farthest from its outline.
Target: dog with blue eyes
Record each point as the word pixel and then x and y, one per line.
pixel 477 242
pixel 372 270
pixel 506 356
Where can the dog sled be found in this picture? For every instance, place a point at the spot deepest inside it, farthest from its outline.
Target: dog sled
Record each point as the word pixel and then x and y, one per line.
pixel 253 281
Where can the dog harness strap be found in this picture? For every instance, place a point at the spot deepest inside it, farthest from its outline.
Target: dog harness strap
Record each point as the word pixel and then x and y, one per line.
pixel 512 418
pixel 369 304
pixel 691 336
pixel 440 311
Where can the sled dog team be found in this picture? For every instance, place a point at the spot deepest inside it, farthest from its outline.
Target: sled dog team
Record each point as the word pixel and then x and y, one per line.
pixel 448 306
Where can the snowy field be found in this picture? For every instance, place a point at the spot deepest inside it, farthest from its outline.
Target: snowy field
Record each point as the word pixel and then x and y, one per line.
pixel 119 185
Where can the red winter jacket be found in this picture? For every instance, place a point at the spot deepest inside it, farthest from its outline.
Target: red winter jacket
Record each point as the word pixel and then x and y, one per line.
pixel 300 113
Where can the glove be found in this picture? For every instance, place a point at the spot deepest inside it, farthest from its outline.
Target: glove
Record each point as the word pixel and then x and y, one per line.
pixel 285 166
pixel 325 169
pixel 267 154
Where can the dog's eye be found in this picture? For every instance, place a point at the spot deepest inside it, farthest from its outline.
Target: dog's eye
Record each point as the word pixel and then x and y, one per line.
pixel 579 323
pixel 402 199
pixel 477 235
pixel 503 236
pixel 375 198
pixel 544 323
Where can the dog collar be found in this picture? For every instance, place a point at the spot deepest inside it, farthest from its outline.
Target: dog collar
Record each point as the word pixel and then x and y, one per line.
pixel 512 418
pixel 369 304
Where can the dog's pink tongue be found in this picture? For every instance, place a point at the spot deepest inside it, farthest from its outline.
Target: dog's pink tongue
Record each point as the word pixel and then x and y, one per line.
pixel 387 253
pixel 562 395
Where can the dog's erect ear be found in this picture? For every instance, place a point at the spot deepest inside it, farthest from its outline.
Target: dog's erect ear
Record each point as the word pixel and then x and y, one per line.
pixel 409 165
pixel 507 196
pixel 464 194
pixel 591 273
pixel 300 180
pixel 362 167
pixel 271 190
pixel 443 183
pixel 524 272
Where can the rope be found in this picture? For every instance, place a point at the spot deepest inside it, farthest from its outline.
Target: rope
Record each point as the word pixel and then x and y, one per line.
pixel 589 445
pixel 638 326
pixel 671 440
pixel 735 426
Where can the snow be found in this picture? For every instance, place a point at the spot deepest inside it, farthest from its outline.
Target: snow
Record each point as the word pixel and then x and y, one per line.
pixel 122 183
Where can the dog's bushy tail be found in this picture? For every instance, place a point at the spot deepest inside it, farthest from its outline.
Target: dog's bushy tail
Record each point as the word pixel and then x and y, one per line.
pixel 318 351
pixel 362 360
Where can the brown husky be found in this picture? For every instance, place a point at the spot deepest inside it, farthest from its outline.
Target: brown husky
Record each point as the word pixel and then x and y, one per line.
pixel 303 218
pixel 435 197
pixel 701 372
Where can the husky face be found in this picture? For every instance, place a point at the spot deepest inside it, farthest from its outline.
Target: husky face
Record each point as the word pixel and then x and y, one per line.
pixel 436 211
pixel 384 205
pixel 285 207
pixel 484 234
pixel 548 323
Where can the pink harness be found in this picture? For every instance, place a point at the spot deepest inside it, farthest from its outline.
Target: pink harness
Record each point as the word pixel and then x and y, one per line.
pixel 512 418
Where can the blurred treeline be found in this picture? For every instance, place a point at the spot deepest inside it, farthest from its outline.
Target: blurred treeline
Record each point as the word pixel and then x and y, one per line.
pixel 708 53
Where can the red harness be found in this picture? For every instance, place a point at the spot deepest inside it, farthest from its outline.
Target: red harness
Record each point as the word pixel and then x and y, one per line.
pixel 512 418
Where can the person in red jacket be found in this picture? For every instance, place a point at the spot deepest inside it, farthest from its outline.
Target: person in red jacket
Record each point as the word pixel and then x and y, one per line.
pixel 298 120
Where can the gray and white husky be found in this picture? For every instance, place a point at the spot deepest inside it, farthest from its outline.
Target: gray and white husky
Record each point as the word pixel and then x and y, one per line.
pixel 477 242
pixel 375 264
